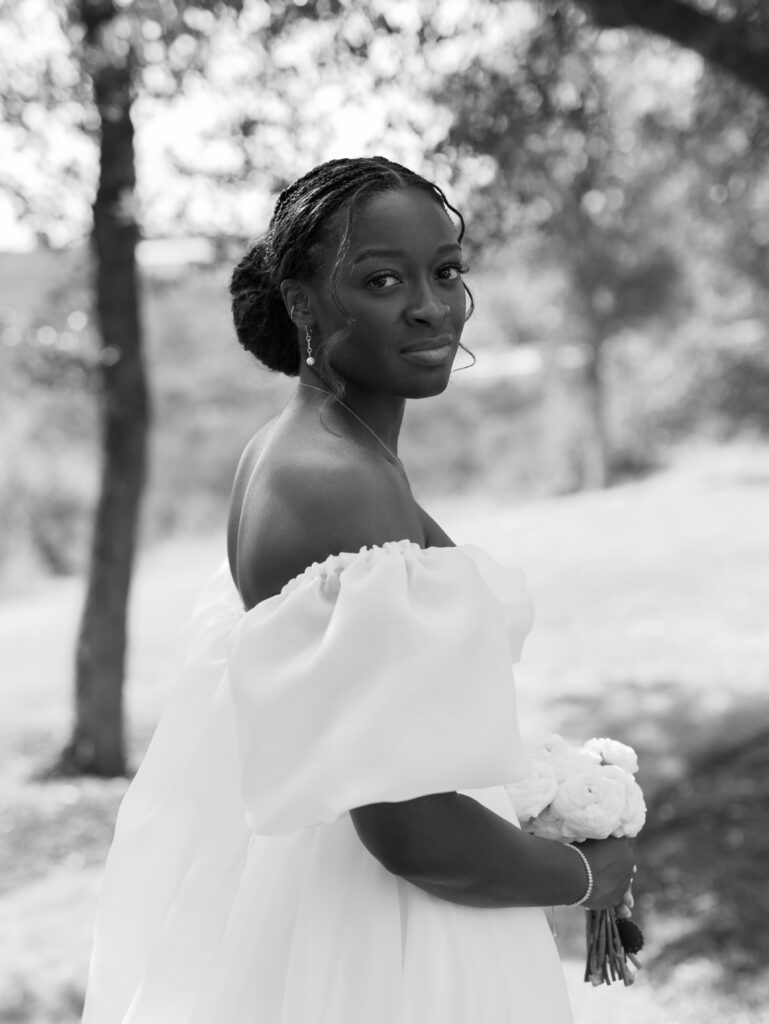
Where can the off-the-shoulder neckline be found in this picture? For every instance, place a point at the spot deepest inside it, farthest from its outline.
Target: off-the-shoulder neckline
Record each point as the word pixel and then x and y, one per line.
pixel 342 560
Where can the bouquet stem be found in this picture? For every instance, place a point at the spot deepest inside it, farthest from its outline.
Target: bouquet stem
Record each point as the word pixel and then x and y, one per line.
pixel 607 958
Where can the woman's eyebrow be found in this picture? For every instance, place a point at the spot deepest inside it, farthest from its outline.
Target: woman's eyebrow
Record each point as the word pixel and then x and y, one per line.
pixel 369 253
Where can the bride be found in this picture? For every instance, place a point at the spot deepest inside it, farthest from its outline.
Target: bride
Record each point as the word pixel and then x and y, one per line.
pixel 319 832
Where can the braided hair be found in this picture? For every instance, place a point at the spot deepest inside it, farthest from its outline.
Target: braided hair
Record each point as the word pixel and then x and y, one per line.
pixel 303 219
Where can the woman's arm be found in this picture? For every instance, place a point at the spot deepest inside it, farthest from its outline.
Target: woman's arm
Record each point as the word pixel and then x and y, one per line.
pixel 455 848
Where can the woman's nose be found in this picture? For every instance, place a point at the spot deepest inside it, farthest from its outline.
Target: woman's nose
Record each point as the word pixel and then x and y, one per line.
pixel 427 307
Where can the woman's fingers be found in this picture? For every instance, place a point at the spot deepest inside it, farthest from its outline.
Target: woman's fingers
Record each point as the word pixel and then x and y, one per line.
pixel 625 906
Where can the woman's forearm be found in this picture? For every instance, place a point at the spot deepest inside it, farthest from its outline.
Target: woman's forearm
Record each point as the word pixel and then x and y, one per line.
pixel 455 848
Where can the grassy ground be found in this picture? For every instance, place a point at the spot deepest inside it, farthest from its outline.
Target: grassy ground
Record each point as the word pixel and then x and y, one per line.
pixel 650 626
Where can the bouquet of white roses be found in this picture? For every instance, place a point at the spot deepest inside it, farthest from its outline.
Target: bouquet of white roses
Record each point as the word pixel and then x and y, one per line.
pixel 588 792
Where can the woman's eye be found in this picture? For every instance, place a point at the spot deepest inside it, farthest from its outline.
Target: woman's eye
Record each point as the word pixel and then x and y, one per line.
pixel 452 272
pixel 383 280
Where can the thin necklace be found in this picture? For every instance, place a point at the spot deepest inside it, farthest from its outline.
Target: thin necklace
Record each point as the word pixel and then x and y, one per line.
pixel 357 417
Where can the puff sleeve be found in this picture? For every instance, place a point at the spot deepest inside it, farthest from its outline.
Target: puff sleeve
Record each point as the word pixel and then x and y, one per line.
pixel 377 676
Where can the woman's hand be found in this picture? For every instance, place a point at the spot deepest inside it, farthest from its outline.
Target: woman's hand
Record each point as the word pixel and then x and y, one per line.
pixel 612 864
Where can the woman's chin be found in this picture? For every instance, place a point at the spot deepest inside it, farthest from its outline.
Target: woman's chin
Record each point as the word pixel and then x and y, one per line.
pixel 422 383
pixel 429 385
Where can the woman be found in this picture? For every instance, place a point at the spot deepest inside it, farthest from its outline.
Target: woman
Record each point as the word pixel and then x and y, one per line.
pixel 319 833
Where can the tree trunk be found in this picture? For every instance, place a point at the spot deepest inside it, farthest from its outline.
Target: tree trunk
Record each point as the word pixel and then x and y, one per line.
pixel 97 743
pixel 595 451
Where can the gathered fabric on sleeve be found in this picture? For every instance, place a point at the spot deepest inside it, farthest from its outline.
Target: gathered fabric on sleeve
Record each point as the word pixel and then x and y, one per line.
pixel 381 675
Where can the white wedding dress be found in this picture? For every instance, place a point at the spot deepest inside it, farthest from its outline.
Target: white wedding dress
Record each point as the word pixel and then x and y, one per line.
pixel 237 890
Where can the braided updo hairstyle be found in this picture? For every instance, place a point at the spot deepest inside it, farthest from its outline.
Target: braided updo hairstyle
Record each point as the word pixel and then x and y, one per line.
pixel 291 247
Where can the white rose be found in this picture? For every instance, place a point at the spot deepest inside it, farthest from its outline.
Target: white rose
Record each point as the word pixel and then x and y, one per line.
pixel 533 793
pixel 571 762
pixel 547 826
pixel 542 744
pixel 633 815
pixel 613 752
pixel 590 804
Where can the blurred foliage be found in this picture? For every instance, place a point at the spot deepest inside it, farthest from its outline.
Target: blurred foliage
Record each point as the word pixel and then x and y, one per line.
pixel 48 414
pixel 718 811
pixel 732 35
pixel 231 68
pixel 254 88
pixel 642 185
pixel 572 167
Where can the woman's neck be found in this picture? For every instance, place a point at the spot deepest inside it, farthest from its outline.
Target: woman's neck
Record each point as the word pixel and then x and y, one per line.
pixel 382 414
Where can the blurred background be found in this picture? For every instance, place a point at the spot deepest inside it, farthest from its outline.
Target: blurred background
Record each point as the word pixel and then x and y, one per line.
pixel 611 159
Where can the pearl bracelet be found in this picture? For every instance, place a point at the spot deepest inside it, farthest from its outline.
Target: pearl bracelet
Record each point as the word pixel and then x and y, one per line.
pixel 589 890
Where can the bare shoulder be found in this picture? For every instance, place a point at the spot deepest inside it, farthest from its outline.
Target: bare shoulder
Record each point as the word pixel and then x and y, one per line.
pixel 243 475
pixel 317 502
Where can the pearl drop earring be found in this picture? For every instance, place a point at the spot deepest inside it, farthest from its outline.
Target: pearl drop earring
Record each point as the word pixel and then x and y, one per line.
pixel 310 360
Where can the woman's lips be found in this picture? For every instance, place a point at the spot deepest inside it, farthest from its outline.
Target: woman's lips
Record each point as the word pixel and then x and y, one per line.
pixel 431 352
pixel 435 355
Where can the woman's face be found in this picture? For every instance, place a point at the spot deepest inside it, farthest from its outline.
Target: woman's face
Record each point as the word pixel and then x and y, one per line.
pixel 401 284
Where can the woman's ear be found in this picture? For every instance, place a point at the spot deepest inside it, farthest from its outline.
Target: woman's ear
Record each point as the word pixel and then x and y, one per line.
pixel 297 299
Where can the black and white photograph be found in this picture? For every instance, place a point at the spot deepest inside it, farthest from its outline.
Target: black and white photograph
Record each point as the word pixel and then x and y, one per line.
pixel 384 511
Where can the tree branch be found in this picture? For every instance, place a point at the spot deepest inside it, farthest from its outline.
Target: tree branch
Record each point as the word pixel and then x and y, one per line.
pixel 738 46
